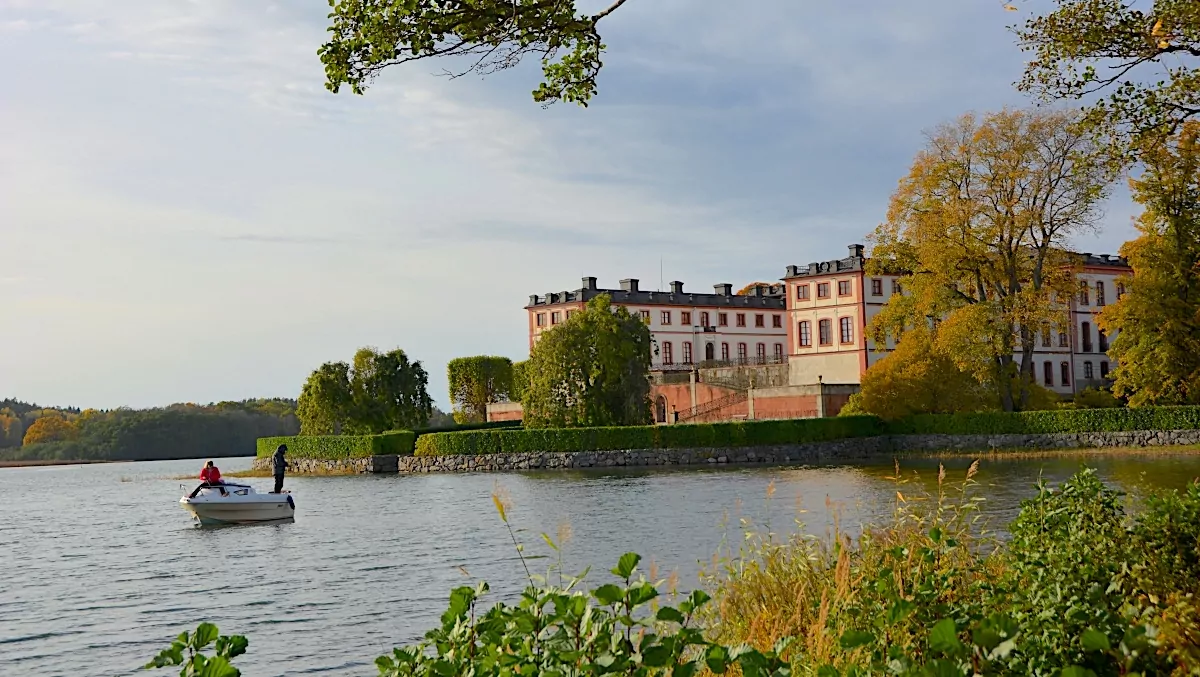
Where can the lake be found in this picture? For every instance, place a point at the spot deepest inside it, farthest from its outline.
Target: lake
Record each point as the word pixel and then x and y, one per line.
pixel 102 568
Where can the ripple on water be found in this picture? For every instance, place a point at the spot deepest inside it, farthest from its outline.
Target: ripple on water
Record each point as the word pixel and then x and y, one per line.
pixel 102 573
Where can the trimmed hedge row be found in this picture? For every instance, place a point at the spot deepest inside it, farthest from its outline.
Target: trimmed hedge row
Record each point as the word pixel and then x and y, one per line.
pixel 489 425
pixel 799 431
pixel 1056 421
pixel 399 442
pixel 732 434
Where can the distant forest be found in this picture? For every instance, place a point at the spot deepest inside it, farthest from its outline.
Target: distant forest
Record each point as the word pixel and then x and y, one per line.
pixel 31 432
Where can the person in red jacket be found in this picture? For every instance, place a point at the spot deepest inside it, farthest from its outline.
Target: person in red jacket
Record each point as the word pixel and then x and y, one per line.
pixel 210 475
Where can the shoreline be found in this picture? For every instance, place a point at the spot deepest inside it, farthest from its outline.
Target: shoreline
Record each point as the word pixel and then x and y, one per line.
pixel 42 463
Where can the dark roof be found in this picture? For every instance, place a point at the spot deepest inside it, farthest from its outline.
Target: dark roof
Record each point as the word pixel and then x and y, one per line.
pixel 762 296
pixel 1100 260
pixel 856 262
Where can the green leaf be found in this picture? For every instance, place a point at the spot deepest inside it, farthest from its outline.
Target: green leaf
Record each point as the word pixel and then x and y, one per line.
pixel 935 534
pixel 206 633
pixel 940 667
pixel 717 659
pixel 943 638
pixel 218 667
pixel 670 614
pixel 656 656
pixel 1076 671
pixel 828 671
pixel 687 669
pixel 852 639
pixel 640 594
pixel 900 610
pixel 549 542
pixel 608 594
pixel 627 564
pixel 1094 640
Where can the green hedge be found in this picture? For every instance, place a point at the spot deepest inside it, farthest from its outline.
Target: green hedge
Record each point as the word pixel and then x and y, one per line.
pixel 490 425
pixel 398 442
pixel 1058 421
pixel 733 434
pixel 761 433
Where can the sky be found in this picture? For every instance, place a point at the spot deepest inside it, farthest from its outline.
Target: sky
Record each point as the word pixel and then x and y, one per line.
pixel 187 215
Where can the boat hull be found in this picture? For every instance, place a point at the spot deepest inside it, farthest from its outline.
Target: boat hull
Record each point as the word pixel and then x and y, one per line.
pixel 240 505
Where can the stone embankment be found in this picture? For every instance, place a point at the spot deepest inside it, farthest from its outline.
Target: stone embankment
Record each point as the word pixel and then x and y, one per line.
pixel 815 452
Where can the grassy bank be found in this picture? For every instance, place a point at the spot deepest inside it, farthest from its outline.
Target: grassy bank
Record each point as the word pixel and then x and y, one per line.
pixel 1082 587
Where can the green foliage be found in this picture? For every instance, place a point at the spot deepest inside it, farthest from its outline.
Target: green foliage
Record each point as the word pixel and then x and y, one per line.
pixel 381 391
pixel 176 432
pixel 454 427
pixel 520 381
pixel 188 651
pixel 398 442
pixel 700 435
pixel 492 35
pixel 476 382
pixel 1141 54
pixel 1157 321
pixel 592 370
pixel 1095 398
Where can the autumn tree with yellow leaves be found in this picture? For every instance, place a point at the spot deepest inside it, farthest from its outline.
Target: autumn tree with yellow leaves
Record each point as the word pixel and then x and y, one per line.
pixel 918 378
pixel 49 429
pixel 1157 320
pixel 978 229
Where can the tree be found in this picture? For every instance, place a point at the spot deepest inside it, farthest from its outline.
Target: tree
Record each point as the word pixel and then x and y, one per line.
pixel 919 378
pixel 979 229
pixel 325 402
pixel 12 431
pixel 592 370
pixel 750 287
pixel 381 391
pixel 1146 59
pixel 520 381
pixel 476 382
pixel 48 429
pixel 482 36
pixel 1157 320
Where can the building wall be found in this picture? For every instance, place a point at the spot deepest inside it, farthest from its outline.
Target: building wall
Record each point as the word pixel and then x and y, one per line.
pixel 505 411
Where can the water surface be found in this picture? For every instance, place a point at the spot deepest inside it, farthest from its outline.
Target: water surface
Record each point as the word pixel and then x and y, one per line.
pixel 102 567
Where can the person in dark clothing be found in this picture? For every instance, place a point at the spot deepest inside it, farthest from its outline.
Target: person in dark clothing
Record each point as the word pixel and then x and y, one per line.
pixel 279 465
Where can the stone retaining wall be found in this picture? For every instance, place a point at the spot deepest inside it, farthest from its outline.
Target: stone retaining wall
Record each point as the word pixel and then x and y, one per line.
pixel 850 449
pixel 835 450
pixel 313 466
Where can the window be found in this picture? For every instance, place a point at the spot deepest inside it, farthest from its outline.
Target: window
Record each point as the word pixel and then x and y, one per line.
pixel 555 317
pixel 741 319
pixel 1120 290
pixel 1085 334
pixel 823 290
pixel 896 287
pixel 741 352
pixel 779 352
pixel 777 321
pixel 1046 337
pixel 1087 369
pixel 876 287
pixel 805 334
pixel 645 316
pixel 722 319
pixel 1103 370
pixel 704 320
pixel 1048 373
pixel 570 314
pixel 802 292
pixel 1099 292
pixel 541 319
pixel 687 352
pixel 847 329
pixel 1083 293
pixel 824 328
pixel 668 357
pixel 1103 340
pixel 761 351
pixel 724 352
pixel 760 320
pixel 843 287
pixel 1062 339
pixel 665 316
pixel 1066 373
pixel 685 317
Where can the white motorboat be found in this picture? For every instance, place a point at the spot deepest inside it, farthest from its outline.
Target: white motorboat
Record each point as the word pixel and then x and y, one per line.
pixel 237 504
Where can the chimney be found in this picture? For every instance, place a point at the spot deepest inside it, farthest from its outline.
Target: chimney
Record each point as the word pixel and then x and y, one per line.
pixel 550 297
pixel 589 283
pixel 856 251
pixel 676 287
pixel 758 290
pixel 723 289
pixel 533 299
pixel 629 284
pixel 793 271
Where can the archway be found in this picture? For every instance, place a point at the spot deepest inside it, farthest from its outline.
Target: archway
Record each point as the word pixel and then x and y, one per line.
pixel 709 352
pixel 660 409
